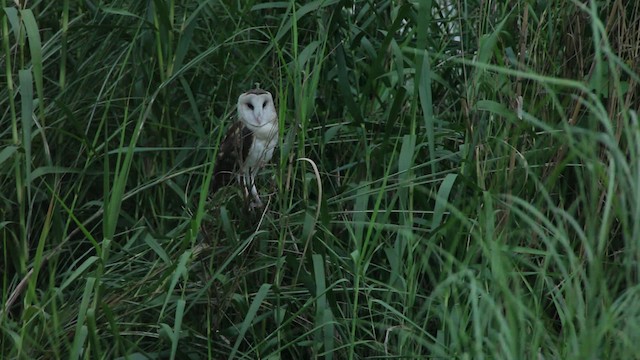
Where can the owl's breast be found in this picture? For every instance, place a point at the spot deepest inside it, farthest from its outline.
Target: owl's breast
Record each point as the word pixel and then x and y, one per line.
pixel 261 152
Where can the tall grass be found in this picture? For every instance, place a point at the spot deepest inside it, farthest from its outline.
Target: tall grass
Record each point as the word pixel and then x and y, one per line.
pixel 454 180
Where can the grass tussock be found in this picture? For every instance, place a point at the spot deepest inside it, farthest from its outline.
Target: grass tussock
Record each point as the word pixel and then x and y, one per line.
pixel 454 180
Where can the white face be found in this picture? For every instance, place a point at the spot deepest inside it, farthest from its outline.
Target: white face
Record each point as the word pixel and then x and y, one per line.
pixel 256 110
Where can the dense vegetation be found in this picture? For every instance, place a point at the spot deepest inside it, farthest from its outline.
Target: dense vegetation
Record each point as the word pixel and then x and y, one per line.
pixel 455 179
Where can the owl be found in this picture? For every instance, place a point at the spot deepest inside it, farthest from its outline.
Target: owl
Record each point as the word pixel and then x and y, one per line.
pixel 248 144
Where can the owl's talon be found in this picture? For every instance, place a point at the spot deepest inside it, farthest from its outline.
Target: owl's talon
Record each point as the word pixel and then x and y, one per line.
pixel 256 203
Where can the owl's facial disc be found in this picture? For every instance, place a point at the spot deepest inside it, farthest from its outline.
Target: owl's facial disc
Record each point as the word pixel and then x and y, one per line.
pixel 256 110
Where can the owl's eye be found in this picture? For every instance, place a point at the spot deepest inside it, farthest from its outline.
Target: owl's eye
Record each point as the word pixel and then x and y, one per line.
pixel 250 106
pixel 264 104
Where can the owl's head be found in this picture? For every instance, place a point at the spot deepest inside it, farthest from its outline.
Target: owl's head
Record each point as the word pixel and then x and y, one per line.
pixel 257 111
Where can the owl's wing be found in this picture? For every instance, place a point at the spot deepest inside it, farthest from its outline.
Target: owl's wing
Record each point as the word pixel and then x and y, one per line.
pixel 234 148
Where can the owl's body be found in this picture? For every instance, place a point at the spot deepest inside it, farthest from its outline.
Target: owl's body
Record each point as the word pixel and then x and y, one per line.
pixel 249 142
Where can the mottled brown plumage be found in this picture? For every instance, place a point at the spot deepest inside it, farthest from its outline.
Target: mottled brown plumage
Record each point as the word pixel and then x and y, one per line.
pixel 234 148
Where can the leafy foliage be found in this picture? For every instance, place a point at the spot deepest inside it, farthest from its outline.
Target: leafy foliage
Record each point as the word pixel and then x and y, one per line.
pixel 454 180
